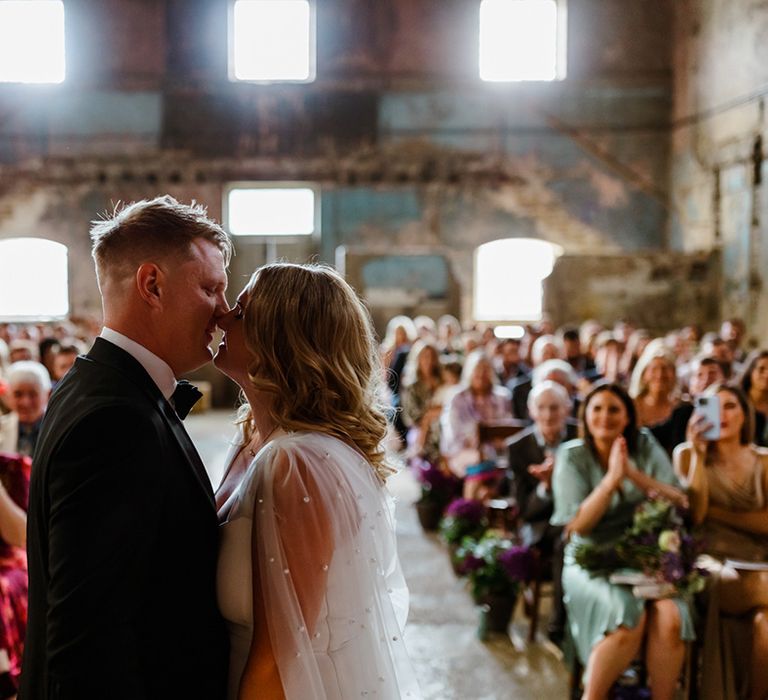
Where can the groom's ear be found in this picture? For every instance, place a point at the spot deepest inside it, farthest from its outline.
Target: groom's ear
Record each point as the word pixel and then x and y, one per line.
pixel 149 279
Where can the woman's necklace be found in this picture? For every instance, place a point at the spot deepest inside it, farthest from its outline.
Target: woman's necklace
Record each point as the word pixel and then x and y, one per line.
pixel 252 450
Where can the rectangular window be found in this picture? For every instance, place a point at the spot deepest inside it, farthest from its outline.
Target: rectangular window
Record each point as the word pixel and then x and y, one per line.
pixel 31 41
pixel 522 40
pixel 34 284
pixel 272 41
pixel 274 209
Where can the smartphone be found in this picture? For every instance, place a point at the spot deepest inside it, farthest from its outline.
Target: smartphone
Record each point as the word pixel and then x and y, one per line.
pixel 709 408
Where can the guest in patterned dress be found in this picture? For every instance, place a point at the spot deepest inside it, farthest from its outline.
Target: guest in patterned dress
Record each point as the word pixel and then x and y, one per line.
pixel 598 481
pixel 479 399
pixel 422 395
pixel 14 494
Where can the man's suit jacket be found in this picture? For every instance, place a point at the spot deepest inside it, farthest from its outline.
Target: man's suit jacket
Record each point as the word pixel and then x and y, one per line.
pixel 522 451
pixel 122 543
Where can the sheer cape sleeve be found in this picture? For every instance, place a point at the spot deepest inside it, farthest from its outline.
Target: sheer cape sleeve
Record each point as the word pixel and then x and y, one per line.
pixel 334 595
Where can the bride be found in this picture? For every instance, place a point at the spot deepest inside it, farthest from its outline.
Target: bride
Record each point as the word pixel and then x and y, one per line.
pixel 308 577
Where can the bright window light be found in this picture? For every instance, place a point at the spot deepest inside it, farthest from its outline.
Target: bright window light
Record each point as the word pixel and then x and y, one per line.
pixel 272 211
pixel 33 279
pixel 31 41
pixel 521 40
pixel 508 278
pixel 272 40
pixel 513 332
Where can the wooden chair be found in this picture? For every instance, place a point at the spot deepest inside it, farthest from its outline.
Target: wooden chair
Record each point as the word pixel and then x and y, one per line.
pixel 498 430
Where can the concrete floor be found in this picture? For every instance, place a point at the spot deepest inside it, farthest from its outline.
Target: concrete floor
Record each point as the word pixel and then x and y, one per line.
pixel 451 663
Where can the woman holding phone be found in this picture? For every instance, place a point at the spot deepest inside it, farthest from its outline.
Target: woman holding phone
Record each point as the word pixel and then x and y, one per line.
pixel 727 480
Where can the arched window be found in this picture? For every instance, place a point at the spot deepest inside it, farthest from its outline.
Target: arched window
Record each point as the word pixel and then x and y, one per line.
pixel 508 278
pixel 33 280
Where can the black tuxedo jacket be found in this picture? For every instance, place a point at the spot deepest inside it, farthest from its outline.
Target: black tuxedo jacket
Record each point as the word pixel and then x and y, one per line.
pixel 523 450
pixel 122 543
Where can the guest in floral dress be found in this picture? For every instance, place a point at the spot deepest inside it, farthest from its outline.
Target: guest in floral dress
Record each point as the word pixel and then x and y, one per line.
pixel 422 395
pixel 14 495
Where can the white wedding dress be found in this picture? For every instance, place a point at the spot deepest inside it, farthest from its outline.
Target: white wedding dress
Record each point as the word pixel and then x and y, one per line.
pixel 298 487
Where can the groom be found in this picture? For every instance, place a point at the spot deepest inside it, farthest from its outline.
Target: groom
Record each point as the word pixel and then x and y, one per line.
pixel 122 529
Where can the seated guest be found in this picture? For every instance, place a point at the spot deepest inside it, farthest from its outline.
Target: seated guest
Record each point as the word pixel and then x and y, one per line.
pixel 47 349
pixel 597 484
pixel 704 372
pixel 63 360
pixel 29 387
pixel 14 494
pixel 531 455
pixel 401 333
pixel 608 353
pixel 23 351
pixel 727 480
pixel 509 365
pixel 582 363
pixel 636 343
pixel 422 393
pixel 448 335
pixel 653 385
pixel 733 331
pixel 479 399
pixel 426 328
pixel 754 383
pixel 715 346
pixel 555 370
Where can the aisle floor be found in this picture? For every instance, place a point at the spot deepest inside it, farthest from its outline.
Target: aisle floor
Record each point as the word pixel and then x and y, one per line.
pixel 451 662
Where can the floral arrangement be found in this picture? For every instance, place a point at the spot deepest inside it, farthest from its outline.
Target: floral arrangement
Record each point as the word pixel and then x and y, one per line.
pixel 656 544
pixel 463 518
pixel 494 565
pixel 437 485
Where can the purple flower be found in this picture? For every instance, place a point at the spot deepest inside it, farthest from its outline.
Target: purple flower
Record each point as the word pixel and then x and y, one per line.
pixel 432 478
pixel 516 562
pixel 470 563
pixel 466 509
pixel 672 567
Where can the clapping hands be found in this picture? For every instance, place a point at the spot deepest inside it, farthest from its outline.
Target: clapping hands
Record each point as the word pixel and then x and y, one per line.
pixel 543 471
pixel 618 462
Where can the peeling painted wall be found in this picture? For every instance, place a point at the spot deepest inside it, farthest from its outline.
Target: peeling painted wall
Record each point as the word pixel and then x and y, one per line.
pixel 718 128
pixel 411 151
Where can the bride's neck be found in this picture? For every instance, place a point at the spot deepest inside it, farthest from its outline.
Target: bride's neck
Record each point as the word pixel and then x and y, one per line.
pixel 260 402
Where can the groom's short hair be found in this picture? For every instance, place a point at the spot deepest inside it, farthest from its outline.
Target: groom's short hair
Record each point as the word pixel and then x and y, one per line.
pixel 151 230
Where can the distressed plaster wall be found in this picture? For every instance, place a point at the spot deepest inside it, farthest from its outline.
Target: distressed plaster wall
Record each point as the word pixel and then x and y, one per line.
pixel 412 153
pixel 718 130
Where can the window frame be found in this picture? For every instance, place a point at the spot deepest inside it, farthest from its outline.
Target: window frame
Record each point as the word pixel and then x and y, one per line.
pixel 316 233
pixel 561 48
pixel 312 48
pixel 42 83
pixel 43 317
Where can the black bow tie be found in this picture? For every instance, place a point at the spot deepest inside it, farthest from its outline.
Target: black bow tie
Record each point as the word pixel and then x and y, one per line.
pixel 185 395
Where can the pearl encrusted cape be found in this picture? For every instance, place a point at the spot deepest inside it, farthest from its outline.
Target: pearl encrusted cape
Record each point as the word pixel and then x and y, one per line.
pixel 322 521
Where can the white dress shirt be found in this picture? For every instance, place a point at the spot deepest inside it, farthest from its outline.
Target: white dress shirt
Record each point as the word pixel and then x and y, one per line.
pixel 158 369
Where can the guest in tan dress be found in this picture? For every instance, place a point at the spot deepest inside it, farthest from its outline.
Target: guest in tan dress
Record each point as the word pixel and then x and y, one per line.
pixel 728 481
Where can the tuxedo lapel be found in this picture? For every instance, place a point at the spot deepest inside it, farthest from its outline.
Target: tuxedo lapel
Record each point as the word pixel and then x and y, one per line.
pixel 107 353
pixel 182 437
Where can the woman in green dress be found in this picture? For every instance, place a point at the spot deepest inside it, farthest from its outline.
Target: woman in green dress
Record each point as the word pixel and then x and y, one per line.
pixel 598 482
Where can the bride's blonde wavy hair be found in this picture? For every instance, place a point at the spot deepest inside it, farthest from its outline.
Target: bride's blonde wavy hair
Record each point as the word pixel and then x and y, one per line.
pixel 314 352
